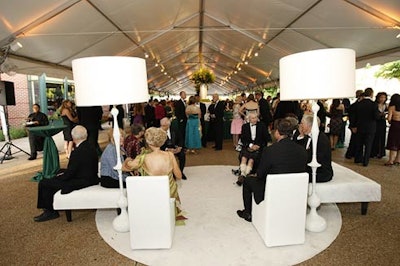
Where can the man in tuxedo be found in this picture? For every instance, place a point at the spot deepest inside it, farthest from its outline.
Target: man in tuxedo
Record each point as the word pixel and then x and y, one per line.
pixel 284 156
pixel 265 111
pixel 365 117
pixel 254 138
pixel 36 118
pixel 174 143
pixel 324 154
pixel 180 113
pixel 217 121
pixel 81 172
pixel 203 110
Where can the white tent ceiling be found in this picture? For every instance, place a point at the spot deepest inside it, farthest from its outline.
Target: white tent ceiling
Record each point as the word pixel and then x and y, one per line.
pixel 180 35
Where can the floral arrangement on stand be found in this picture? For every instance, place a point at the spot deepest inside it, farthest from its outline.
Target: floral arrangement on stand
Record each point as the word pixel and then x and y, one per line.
pixel 202 76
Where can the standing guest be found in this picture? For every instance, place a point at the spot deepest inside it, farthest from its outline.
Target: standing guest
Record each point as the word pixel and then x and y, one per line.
pixel 218 121
pixel 366 115
pixel 203 110
pixel 324 155
pixel 265 115
pixel 134 143
pixel 321 115
pixel 174 143
pixel 158 163
pixel 254 138
pixel 237 122
pixel 180 108
pixel 393 142
pixel 109 177
pixel 193 139
pixel 335 124
pixel 351 149
pixel 342 135
pixel 250 106
pixel 378 146
pixel 283 108
pixel 81 172
pixel 284 156
pixel 70 119
pixel 137 115
pixel 149 115
pixel 159 112
pixel 36 118
pixel 167 108
pixel 90 118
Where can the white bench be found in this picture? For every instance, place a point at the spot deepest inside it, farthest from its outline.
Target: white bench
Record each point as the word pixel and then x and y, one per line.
pixel 280 218
pixel 348 186
pixel 93 197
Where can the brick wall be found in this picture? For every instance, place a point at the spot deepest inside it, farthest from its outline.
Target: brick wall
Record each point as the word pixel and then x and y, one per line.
pixel 17 114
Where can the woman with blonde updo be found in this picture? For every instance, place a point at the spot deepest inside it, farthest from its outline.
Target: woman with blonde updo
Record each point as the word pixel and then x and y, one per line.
pixel 70 119
pixel 156 162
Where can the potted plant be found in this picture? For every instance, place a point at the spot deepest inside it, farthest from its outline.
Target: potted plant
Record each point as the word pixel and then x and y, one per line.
pixel 201 78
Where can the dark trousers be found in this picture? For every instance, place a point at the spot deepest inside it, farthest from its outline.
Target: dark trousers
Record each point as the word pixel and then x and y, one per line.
pixel 46 190
pixel 203 133
pixel 363 147
pixel 182 159
pixel 252 186
pixel 219 135
pixel 351 149
pixel 109 182
pixel 35 143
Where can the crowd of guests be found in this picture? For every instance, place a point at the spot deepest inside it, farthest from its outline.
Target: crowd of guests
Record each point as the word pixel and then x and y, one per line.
pixel 162 133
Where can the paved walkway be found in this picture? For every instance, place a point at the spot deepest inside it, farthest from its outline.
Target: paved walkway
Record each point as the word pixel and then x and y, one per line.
pixel 19 164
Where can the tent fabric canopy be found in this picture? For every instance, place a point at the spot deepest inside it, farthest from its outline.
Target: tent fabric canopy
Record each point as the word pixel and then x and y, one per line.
pixel 241 41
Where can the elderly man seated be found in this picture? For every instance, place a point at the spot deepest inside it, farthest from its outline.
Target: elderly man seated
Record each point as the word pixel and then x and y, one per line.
pixel 81 172
pixel 254 138
pixel 324 155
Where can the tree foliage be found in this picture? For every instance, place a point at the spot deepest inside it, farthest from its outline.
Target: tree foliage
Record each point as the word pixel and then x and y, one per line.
pixel 389 70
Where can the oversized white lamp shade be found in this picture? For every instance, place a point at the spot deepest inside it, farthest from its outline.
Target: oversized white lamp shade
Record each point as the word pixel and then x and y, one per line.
pixel 312 75
pixel 110 80
pixel 318 74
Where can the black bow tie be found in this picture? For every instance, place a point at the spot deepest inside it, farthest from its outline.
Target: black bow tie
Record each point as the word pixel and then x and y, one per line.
pixel 253 125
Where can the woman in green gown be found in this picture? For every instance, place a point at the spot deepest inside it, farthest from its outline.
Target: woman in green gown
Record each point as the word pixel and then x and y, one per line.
pixel 155 162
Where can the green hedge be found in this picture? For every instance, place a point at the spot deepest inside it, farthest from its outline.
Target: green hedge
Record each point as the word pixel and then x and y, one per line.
pixel 15 133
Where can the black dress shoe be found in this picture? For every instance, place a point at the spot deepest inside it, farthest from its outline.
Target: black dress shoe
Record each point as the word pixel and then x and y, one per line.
pixel 236 172
pixel 184 177
pixel 46 216
pixel 32 158
pixel 244 215
pixel 240 180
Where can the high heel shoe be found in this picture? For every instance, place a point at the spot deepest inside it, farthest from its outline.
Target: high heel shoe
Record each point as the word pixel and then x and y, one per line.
pixel 389 164
pixel 396 163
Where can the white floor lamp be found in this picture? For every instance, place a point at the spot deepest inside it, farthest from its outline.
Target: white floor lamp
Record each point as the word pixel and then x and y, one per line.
pixel 111 80
pixel 313 75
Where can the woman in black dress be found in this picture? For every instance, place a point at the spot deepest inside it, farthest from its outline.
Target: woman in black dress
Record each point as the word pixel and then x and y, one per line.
pixel 70 119
pixel 378 147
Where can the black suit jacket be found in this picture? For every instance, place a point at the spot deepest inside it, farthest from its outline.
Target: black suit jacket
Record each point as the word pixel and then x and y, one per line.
pixel 81 170
pixel 180 111
pixel 365 116
pixel 261 135
pixel 176 140
pixel 219 108
pixel 324 156
pixel 284 156
pixel 203 110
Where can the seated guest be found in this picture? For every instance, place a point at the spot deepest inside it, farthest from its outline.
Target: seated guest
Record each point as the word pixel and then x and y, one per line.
pixel 134 143
pixel 174 143
pixel 254 138
pixel 284 156
pixel 80 173
pixel 158 163
pixel 324 155
pixel 109 176
pixel 36 118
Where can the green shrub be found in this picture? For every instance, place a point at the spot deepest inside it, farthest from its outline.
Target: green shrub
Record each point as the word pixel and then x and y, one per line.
pixel 15 133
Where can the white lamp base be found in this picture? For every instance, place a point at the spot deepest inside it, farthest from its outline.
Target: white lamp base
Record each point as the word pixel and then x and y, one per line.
pixel 121 222
pixel 314 222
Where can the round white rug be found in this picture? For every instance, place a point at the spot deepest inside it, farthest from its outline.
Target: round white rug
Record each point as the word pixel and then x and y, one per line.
pixel 214 234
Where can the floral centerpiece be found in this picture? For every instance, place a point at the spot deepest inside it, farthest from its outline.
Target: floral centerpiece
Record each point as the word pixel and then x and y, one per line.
pixel 389 70
pixel 203 76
